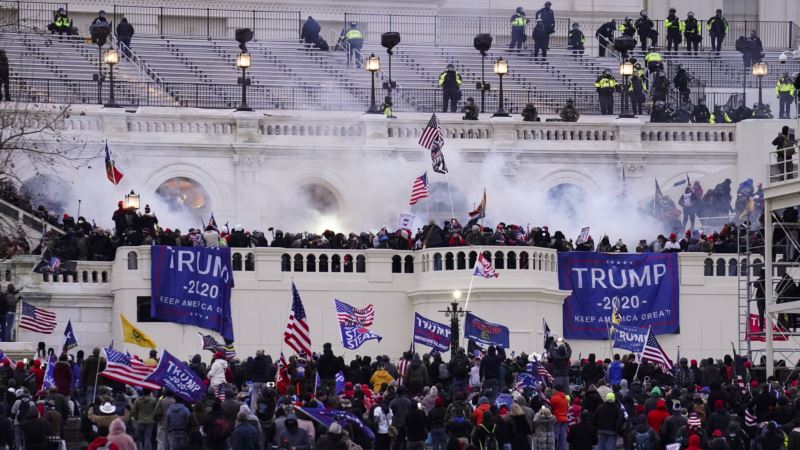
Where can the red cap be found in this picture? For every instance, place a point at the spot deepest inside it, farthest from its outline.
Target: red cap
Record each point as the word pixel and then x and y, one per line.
pixel 719 404
pixel 673 236
pixel 747 364
pixel 717 433
pixel 694 362
pixel 754 384
pixel 219 355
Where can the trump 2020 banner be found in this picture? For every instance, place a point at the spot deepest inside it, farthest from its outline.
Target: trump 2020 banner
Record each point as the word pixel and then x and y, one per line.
pixel 630 338
pixel 192 286
pixel 643 288
pixel 485 333
pixel 430 333
pixel 176 376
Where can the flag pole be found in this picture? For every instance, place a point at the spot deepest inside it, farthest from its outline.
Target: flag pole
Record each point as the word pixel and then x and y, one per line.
pixel 640 354
pixel 450 192
pixel 469 292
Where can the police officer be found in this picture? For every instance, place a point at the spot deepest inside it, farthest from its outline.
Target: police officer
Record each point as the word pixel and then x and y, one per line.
pixel 450 82
pixel 785 92
pixel 386 108
pixel 605 85
pixel 627 28
pixel 355 40
pixel 653 61
pixel 674 26
pixel 637 90
pixel 575 39
pixel 518 24
pixel 742 112
pixel 644 28
pixel 124 36
pixel 62 24
pixel 682 115
pixel 568 113
pixel 719 115
pixel 605 35
pixel 660 86
pixel 540 40
pixel 548 19
pixel 692 32
pixel 660 113
pixel 470 110
pixel 700 113
pixel 717 29
pixel 4 76
pixel 681 83
pixel 99 22
pixel 529 113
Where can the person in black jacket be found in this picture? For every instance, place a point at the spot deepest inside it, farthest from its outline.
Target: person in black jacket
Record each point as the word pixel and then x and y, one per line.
pixel 124 35
pixel 490 370
pixel 607 420
pixel 327 367
pixel 583 435
pixel 644 28
pixel 541 40
pixel 416 428
pixel 700 113
pixel 5 77
pixel 450 82
pixel 575 39
pixel 605 35
pixel 559 354
pixel 591 371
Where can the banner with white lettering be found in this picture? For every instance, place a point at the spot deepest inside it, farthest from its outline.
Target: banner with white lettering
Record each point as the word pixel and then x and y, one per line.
pixel 433 334
pixel 630 338
pixel 176 376
pixel 644 289
pixel 192 286
pixel 485 333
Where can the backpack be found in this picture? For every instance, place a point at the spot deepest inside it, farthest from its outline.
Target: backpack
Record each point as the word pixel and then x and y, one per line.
pixel 24 405
pixel 444 374
pixel 491 440
pixel 461 368
pixel 220 429
pixel 643 441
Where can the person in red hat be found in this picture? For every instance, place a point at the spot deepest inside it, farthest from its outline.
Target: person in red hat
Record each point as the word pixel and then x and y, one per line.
pixel 672 245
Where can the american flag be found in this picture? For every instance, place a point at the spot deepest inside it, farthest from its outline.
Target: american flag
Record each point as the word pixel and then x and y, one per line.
pixel 536 369
pixel 121 367
pixel 485 269
pixel 653 352
pixel 349 315
pixel 282 378
pixel 4 358
pixel 297 335
pixel 54 263
pixel 211 344
pixel 432 135
pixel 749 418
pixel 37 319
pixel 420 189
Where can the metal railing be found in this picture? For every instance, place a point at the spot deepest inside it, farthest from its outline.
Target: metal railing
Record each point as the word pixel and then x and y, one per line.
pixel 774 34
pixel 35 15
pixel 447 30
pixel 784 164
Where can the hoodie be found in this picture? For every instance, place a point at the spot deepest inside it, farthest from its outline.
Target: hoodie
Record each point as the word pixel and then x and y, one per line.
pixel 657 416
pixel 118 435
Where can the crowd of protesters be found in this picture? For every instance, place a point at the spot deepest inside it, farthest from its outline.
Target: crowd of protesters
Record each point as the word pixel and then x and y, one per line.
pixel 469 401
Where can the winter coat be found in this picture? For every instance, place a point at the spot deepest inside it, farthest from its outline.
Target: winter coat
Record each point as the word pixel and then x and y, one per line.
pixel 117 433
pixel 416 377
pixel 216 376
pixel 582 437
pixel 62 374
pixel 544 439
pixel 522 429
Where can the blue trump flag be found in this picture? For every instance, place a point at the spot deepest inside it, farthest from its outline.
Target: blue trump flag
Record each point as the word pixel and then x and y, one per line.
pixel 49 374
pixel 433 334
pixel 354 336
pixel 339 382
pixel 485 333
pixel 69 337
pixel 630 338
pixel 643 288
pixel 192 286
pixel 176 376
pixel 326 417
pixel 525 380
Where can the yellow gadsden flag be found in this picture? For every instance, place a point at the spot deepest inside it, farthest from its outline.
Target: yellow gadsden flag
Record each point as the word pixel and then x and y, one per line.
pixel 133 335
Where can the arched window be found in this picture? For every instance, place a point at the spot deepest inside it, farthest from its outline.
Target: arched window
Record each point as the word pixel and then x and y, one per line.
pixel 323 263
pixel 499 260
pixel 473 256
pixel 488 256
pixel 461 261
pixel 757 267
pixel 448 261
pixel 708 267
pixel 184 195
pixel 732 268
pixel 237 261
pixel 94 277
pixel 743 267
pixel 250 262
pixel 523 260
pixel 298 263
pixel 512 260
pixel 103 277
pixel 720 267
pixel 286 263
pixel 409 264
pixel 311 263
pixel 336 263
pixel 361 264
pixel 437 262
pixel 133 261
pixel 348 263
pixel 397 264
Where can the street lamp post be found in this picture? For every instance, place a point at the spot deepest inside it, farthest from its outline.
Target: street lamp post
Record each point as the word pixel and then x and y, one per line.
pixel 132 200
pixel 626 70
pixel 760 70
pixel 243 62
pixel 454 312
pixel 373 65
pixel 111 57
pixel 500 68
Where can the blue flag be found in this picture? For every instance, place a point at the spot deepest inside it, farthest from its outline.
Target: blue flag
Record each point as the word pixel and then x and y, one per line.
pixel 433 334
pixel 525 380
pixel 192 286
pixel 176 376
pixel 485 333
pixel 354 336
pixel 630 338
pixel 326 417
pixel 339 382
pixel 49 377
pixel 69 337
pixel 643 289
